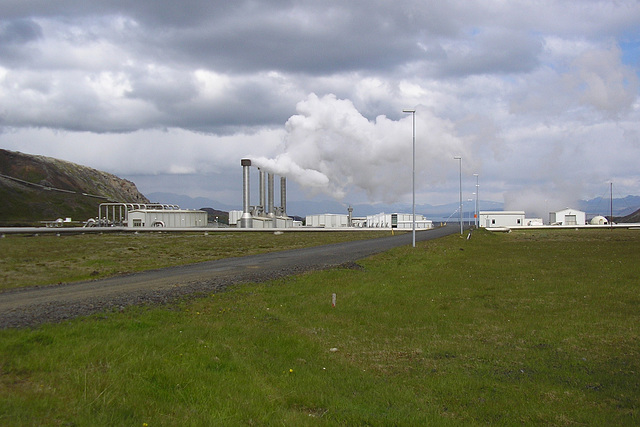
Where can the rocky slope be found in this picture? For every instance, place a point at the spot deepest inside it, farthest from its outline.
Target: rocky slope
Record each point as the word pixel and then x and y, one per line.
pixel 632 218
pixel 39 188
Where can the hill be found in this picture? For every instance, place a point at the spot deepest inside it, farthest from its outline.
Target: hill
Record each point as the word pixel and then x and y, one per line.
pixel 36 188
pixel 631 218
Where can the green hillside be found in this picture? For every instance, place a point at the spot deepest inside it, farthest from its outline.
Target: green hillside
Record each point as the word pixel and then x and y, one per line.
pixel 39 188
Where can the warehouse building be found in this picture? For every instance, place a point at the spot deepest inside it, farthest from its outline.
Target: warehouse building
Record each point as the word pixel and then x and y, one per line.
pixel 567 216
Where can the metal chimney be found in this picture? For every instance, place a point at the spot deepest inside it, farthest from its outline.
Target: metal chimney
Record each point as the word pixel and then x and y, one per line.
pixel 263 187
pixel 283 196
pixel 270 184
pixel 245 220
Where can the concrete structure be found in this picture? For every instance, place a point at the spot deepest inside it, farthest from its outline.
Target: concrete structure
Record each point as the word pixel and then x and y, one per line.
pixel 176 218
pixel 567 216
pixel 490 219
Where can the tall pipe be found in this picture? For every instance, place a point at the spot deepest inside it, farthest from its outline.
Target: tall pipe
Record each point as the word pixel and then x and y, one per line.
pixel 283 196
pixel 270 184
pixel 263 186
pixel 245 220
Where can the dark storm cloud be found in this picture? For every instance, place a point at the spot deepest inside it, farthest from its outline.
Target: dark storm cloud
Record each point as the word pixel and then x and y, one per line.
pixel 15 37
pixel 19 32
pixel 310 37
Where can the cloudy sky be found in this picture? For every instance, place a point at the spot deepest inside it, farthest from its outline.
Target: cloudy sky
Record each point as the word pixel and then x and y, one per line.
pixel 540 98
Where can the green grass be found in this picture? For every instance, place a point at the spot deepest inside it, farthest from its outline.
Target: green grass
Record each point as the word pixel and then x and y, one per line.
pixel 48 259
pixel 521 328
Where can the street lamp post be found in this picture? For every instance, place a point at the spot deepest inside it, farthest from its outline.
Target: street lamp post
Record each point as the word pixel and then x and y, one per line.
pixel 477 213
pixel 413 177
pixel 459 158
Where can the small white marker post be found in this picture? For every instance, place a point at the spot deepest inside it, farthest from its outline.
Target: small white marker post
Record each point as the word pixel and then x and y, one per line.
pixel 333 300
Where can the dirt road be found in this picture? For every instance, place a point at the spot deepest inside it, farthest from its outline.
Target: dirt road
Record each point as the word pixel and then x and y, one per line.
pixel 36 305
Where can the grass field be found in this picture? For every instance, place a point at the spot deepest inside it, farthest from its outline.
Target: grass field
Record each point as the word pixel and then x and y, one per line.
pixel 48 259
pixel 535 327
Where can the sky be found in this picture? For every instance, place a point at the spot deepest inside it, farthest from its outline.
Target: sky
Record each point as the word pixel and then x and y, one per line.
pixel 539 98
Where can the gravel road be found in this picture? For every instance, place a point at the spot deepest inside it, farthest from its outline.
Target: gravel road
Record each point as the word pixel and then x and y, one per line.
pixel 36 305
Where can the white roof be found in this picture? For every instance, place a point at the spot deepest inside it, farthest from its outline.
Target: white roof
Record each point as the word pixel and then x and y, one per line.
pixel 501 212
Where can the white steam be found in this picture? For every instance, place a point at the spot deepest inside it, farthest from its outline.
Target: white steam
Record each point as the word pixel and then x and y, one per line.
pixel 331 148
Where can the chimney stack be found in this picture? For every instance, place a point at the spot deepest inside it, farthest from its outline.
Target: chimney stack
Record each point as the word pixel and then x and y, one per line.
pixel 283 196
pixel 270 196
pixel 245 220
pixel 263 186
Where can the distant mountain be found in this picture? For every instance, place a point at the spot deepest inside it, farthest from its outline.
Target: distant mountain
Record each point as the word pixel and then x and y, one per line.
pixel 37 188
pixel 602 206
pixel 598 206
pixel 303 208
pixel 186 202
pixel 631 218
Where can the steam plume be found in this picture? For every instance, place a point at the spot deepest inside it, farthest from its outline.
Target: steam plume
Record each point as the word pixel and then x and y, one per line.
pixel 330 147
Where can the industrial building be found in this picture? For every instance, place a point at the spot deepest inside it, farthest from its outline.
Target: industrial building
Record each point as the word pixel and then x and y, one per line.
pixel 327 220
pixel 402 221
pixel 265 214
pixel 147 215
pixel 178 218
pixel 381 220
pixel 567 216
pixel 492 219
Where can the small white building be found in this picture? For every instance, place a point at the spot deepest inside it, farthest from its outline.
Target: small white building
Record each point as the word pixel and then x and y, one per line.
pixel 567 216
pixel 599 220
pixel 171 218
pixel 489 219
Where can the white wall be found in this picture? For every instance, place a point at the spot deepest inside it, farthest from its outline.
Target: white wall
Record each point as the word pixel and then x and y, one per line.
pixel 501 218
pixel 567 217
pixel 169 218
pixel 327 220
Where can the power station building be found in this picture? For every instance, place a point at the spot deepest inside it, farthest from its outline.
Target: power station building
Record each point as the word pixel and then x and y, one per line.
pixel 179 218
pixel 147 215
pixel 265 214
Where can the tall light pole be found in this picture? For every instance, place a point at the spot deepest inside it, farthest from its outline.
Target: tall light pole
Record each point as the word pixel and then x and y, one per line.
pixel 459 158
pixel 413 178
pixel 477 213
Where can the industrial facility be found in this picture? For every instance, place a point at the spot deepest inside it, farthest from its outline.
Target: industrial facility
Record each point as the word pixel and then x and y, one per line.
pixel 564 217
pixel 401 221
pixel 147 215
pixel 567 216
pixel 265 214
